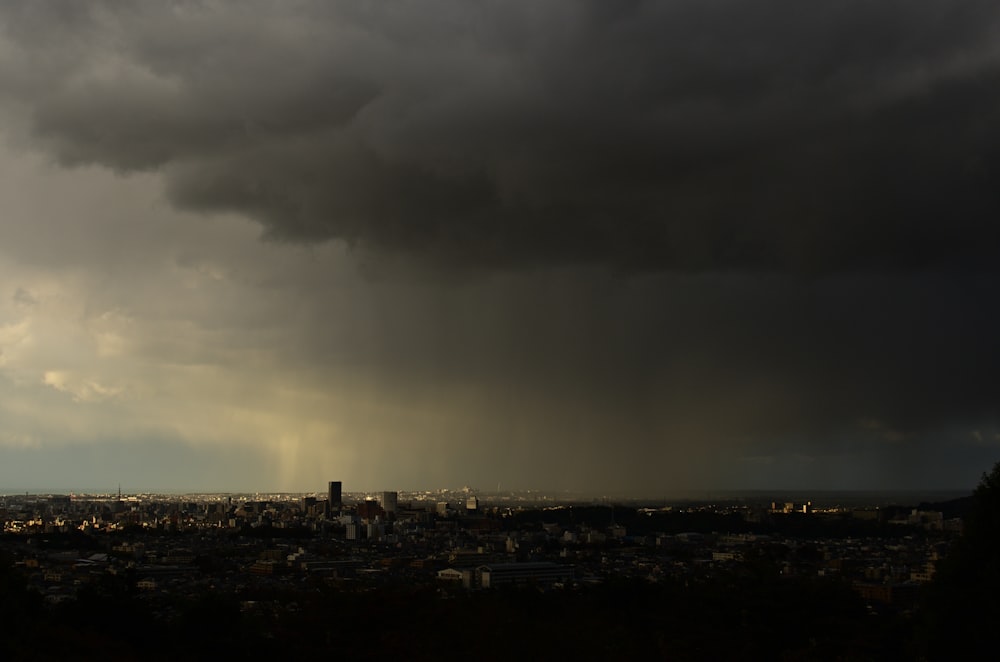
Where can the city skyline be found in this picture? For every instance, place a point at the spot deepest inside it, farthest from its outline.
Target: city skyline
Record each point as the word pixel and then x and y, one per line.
pixel 646 247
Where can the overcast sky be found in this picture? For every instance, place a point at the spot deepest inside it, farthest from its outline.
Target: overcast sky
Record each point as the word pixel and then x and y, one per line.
pixel 605 246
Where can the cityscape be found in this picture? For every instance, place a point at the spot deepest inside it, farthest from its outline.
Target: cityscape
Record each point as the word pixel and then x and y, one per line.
pixel 264 559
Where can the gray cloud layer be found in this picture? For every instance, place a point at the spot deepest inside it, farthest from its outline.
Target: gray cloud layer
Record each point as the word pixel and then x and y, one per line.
pixel 715 242
pixel 680 135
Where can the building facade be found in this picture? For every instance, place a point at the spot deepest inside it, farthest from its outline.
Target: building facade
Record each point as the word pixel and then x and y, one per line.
pixel 335 499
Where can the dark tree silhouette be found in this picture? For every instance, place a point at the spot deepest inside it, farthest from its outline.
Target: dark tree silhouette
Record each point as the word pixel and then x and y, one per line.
pixel 962 605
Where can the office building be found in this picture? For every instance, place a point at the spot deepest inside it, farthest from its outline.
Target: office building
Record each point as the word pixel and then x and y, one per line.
pixel 389 501
pixel 541 572
pixel 335 499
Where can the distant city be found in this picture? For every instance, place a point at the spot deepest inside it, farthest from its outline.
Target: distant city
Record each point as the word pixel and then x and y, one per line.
pixel 269 556
pixel 823 498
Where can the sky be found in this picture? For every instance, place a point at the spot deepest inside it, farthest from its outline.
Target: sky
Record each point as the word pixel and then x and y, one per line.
pixel 642 246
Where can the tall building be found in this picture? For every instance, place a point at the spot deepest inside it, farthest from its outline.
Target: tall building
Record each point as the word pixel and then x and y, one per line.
pixel 389 501
pixel 334 498
pixel 369 509
pixel 309 506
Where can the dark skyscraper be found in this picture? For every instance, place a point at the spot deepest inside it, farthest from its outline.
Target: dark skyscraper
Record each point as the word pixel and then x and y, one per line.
pixel 334 498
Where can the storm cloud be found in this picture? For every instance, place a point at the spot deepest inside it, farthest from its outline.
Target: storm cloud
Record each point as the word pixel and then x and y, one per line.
pixel 629 245
pixel 645 135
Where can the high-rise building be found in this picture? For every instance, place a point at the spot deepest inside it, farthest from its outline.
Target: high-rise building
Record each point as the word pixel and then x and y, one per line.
pixel 369 509
pixel 334 498
pixel 389 501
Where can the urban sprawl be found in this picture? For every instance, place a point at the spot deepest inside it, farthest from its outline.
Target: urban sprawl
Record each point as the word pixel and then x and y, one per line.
pixel 456 541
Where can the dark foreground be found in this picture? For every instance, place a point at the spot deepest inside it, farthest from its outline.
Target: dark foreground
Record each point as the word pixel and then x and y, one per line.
pixel 754 614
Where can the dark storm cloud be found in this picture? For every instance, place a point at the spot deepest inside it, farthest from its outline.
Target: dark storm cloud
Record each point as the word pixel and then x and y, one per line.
pixel 642 185
pixel 666 135
pixel 769 359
